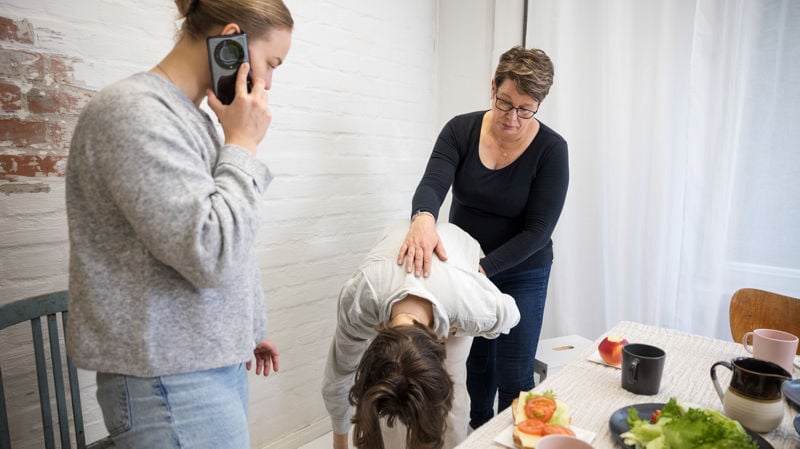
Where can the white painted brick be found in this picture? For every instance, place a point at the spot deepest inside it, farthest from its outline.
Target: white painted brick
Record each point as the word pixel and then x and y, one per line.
pixel 14 206
pixel 32 262
pixel 32 229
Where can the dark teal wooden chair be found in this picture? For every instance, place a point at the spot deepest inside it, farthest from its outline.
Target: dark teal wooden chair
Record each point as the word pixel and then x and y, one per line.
pixel 36 309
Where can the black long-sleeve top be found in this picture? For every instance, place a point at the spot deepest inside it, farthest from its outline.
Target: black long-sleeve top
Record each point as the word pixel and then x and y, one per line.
pixel 511 211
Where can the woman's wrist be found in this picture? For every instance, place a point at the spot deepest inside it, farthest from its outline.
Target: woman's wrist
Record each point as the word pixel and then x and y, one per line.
pixel 422 212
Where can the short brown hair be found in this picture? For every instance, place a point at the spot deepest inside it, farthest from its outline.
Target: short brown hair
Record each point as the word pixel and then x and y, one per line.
pixel 255 17
pixel 401 376
pixel 530 69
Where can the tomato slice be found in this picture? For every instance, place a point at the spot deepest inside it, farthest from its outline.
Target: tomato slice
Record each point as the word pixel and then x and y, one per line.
pixel 555 429
pixel 540 407
pixel 654 416
pixel 532 426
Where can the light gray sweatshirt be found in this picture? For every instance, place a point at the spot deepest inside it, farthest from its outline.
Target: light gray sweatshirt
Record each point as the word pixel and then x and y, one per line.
pixel 162 216
pixel 462 298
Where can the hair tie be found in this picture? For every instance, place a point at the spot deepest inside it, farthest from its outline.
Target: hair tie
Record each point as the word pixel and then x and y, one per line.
pixel 193 7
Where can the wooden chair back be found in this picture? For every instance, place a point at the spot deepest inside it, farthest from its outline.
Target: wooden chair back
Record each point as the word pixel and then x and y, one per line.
pixel 36 310
pixel 751 309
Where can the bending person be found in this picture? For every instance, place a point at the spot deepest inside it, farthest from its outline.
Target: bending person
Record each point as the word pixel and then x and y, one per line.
pixel 389 371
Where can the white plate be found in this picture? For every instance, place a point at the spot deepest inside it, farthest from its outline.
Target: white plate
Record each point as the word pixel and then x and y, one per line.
pixel 595 357
pixel 506 437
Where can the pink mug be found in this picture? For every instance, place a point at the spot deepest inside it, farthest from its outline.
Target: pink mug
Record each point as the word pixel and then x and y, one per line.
pixel 772 345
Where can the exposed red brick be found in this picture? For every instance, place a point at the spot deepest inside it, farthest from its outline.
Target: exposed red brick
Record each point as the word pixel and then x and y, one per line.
pixel 62 68
pixel 31 166
pixel 21 64
pixel 17 31
pixel 59 135
pixel 22 133
pixel 10 97
pixel 40 102
pixel 57 99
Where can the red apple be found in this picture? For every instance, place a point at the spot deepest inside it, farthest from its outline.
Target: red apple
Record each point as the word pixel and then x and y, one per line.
pixel 610 349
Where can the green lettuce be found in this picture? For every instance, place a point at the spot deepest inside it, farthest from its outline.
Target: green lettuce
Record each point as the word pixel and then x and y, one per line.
pixel 686 428
pixel 561 416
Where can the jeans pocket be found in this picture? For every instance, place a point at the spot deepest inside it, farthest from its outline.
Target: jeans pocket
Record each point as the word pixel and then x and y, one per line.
pixel 112 395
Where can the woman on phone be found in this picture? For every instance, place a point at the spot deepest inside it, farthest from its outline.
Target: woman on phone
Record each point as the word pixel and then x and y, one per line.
pixel 166 303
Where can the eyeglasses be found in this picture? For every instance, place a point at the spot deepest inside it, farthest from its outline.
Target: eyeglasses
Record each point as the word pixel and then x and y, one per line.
pixel 508 107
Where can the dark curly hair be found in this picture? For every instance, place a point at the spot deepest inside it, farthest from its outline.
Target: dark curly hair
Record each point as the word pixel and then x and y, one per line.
pixel 401 376
pixel 531 70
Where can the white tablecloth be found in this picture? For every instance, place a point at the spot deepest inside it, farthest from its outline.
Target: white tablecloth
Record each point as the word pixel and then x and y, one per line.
pixel 593 391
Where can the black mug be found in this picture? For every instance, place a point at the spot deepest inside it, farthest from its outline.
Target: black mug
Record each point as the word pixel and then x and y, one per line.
pixel 642 366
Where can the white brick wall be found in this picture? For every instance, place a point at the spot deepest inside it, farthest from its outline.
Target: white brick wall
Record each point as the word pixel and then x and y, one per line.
pixel 355 112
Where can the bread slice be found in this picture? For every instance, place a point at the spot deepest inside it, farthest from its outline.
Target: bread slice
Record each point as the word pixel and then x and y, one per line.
pixel 518 409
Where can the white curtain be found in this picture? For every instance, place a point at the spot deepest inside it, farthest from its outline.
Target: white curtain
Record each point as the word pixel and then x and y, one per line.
pixel 683 122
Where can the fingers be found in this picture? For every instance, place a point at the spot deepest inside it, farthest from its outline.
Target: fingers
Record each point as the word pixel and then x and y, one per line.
pixel 265 362
pixel 267 359
pixel 402 254
pixel 241 78
pixel 419 259
pixel 426 264
pixel 275 364
pixel 213 101
pixel 259 86
pixel 440 251
pixel 262 365
pixel 410 259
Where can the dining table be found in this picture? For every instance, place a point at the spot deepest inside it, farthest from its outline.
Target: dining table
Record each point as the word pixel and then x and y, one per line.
pixel 592 390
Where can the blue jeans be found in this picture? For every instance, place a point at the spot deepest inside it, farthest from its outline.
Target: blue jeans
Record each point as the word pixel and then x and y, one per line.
pixel 504 366
pixel 204 409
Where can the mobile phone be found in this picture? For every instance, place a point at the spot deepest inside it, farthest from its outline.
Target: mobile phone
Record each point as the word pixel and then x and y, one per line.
pixel 225 54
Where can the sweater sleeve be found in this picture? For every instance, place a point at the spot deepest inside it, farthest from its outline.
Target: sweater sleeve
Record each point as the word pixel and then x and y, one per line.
pixel 348 345
pixel 195 215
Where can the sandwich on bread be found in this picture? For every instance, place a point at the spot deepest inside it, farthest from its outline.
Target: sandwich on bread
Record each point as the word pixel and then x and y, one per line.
pixel 537 415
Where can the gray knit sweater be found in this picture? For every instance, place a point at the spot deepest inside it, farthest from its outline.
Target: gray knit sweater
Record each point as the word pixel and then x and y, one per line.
pixel 163 217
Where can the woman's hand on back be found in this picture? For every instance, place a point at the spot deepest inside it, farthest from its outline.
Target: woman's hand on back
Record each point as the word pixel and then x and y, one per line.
pixel 419 245
pixel 246 119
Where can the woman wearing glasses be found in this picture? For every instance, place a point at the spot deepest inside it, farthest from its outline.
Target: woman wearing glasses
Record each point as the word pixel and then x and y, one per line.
pixel 509 174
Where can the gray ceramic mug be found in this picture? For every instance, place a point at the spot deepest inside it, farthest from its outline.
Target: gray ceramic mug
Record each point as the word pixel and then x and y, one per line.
pixel 642 367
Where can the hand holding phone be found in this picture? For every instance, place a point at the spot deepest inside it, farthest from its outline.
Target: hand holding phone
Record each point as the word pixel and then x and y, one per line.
pixel 244 121
pixel 225 54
